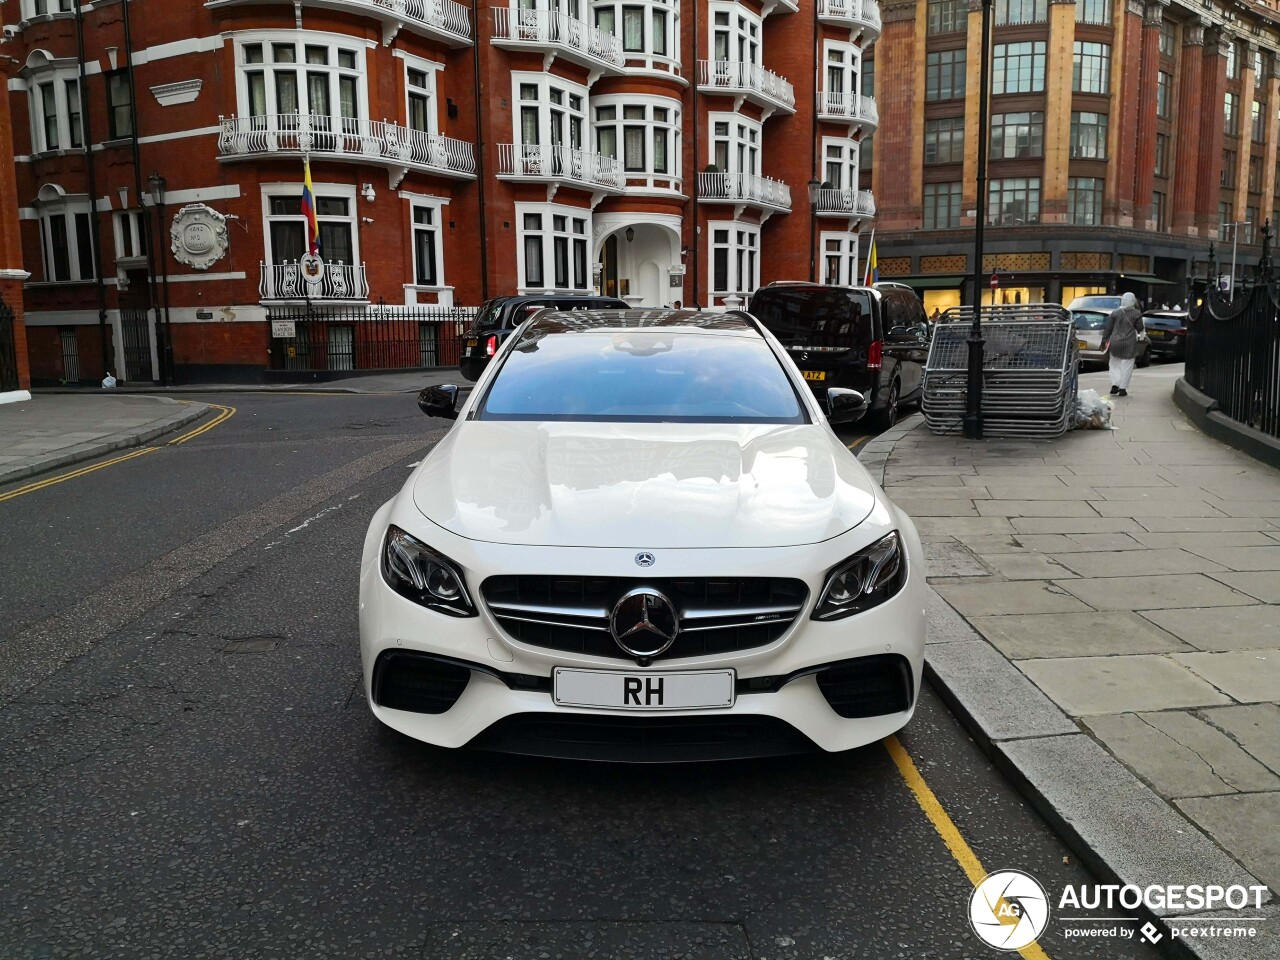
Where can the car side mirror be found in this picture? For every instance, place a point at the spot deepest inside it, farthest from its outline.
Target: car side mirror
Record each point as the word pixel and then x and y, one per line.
pixel 441 401
pixel 845 405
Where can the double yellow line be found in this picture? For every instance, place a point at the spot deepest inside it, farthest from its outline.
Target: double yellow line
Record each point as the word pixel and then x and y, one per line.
pixel 224 414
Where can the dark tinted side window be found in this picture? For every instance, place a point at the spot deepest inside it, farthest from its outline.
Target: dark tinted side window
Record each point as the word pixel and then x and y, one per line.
pixel 490 315
pixel 815 316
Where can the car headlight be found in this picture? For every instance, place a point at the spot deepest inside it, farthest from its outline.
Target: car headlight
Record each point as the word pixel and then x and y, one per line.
pixel 418 573
pixel 869 577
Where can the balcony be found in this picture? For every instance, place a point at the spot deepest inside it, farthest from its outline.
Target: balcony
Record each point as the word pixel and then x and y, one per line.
pixel 851 204
pixel 557 35
pixel 560 166
pixel 337 283
pixel 744 190
pixel 852 108
pixel 749 82
pixel 862 16
pixel 335 138
pixel 445 20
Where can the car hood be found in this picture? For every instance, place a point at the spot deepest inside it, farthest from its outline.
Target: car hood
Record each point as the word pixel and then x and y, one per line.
pixel 642 485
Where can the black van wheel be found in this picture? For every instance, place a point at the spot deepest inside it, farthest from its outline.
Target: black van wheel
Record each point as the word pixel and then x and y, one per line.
pixel 472 367
pixel 887 417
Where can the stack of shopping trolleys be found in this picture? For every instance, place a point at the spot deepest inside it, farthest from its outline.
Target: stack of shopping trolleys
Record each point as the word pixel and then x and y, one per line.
pixel 1030 370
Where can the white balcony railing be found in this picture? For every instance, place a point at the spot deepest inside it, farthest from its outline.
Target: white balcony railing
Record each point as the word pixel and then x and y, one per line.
pixel 846 203
pixel 337 281
pixel 860 14
pixel 373 141
pixel 580 40
pixel 445 19
pixel 746 79
pixel 744 188
pixel 838 105
pixel 531 161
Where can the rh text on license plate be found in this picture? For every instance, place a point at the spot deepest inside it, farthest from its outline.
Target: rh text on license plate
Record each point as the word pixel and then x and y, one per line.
pixel 815 374
pixel 619 690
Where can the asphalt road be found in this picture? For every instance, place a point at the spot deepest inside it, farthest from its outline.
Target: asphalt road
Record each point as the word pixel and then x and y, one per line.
pixel 190 770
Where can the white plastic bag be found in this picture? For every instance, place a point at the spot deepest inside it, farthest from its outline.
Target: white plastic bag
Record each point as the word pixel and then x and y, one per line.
pixel 108 382
pixel 1093 412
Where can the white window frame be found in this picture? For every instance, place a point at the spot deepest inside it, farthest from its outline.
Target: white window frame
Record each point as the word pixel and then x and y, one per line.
pixel 742 33
pixel 739 145
pixel 70 206
pixel 742 256
pixel 575 239
pixel 839 257
pixel 652 11
pixel 136 222
pixel 300 40
pixel 668 181
pixel 844 59
pixel 52 8
pixel 843 156
pixel 437 207
pixel 341 190
pixel 431 91
pixel 546 84
pixel 59 77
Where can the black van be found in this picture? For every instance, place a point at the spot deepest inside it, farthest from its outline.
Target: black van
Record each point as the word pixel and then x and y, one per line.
pixel 871 339
pixel 501 315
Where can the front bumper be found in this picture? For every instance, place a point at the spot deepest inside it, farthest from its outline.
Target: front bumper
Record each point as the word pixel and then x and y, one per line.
pixel 506 702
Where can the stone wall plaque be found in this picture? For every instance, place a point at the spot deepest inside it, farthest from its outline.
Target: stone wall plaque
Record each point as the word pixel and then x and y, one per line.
pixel 199 236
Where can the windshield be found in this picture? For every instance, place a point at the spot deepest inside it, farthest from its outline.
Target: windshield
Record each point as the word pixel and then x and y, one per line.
pixel 1089 319
pixel 644 376
pixel 815 316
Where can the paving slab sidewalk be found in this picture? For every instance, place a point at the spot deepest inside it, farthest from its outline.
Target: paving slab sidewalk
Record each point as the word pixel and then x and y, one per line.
pixel 1109 629
pixel 52 431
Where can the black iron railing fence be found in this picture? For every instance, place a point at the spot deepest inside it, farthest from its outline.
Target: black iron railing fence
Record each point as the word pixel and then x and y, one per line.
pixel 1233 346
pixel 366 337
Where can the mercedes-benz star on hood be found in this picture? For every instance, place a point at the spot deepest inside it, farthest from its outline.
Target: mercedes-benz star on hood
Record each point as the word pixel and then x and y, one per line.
pixel 669 485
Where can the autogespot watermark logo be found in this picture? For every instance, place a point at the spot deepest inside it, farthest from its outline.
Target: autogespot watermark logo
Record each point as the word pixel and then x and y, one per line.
pixel 1008 910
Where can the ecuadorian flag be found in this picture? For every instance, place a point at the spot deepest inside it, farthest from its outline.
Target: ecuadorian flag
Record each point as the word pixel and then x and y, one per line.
pixel 309 210
pixel 873 265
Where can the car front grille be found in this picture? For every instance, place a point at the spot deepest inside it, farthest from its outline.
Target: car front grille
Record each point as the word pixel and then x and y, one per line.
pixel 717 615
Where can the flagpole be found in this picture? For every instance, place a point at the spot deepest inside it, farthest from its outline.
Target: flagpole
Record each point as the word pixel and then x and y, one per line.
pixel 866 273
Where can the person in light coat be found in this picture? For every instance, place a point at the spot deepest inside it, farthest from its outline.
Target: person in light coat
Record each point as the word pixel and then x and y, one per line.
pixel 1121 333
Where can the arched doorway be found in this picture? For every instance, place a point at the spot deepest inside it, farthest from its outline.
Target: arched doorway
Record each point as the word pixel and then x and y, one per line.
pixel 638 260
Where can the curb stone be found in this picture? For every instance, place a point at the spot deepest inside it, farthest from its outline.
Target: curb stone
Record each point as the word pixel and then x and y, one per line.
pixel 117 441
pixel 1085 794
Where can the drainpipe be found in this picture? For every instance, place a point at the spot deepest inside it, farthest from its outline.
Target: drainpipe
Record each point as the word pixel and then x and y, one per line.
pixel 95 236
pixel 814 259
pixel 484 218
pixel 137 187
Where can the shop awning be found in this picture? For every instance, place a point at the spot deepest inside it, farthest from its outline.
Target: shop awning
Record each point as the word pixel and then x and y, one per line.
pixel 930 282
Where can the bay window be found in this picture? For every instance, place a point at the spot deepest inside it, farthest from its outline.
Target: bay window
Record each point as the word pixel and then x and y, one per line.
pixel 735 35
pixel 66 243
pixel 552 113
pixel 642 132
pixel 552 246
pixel 840 164
pixel 645 27
pixel 735 260
pixel 844 70
pixel 735 144
pixel 282 76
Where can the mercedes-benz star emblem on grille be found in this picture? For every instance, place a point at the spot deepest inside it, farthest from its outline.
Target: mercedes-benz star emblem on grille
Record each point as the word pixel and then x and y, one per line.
pixel 645 559
pixel 644 623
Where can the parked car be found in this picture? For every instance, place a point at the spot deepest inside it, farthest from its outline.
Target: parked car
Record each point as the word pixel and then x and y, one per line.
pixel 498 317
pixel 642 541
pixel 1089 325
pixel 1168 332
pixel 871 339
pixel 1103 302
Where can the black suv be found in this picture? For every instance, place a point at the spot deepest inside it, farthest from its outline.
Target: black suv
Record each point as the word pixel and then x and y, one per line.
pixel 501 315
pixel 871 339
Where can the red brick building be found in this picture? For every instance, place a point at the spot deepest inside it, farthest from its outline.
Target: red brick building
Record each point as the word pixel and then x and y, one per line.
pixel 15 376
pixel 661 150
pixel 1125 137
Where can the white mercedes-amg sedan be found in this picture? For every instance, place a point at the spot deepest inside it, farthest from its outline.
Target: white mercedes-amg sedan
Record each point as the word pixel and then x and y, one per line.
pixel 642 541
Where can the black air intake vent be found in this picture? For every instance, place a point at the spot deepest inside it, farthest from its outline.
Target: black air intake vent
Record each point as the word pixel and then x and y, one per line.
pixel 868 687
pixel 418 682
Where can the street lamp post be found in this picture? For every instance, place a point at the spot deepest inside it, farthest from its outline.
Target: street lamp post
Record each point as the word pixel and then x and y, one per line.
pixel 972 421
pixel 157 182
pixel 815 193
pixel 1235 226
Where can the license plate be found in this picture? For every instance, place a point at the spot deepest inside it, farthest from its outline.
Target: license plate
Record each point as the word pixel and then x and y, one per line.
pixel 1158 334
pixel 815 374
pixel 617 690
pixel 473 343
pixel 1082 344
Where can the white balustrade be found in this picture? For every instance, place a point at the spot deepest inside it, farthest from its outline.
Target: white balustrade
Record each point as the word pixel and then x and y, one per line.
pixel 336 281
pixel 551 28
pixel 545 162
pixel 848 203
pixel 744 188
pixel 734 76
